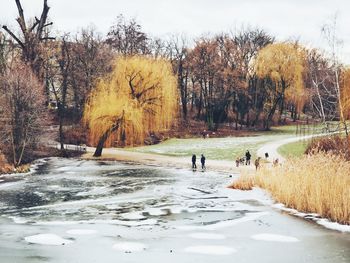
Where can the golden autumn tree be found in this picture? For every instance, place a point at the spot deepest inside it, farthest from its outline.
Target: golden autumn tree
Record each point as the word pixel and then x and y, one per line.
pixel 139 96
pixel 283 64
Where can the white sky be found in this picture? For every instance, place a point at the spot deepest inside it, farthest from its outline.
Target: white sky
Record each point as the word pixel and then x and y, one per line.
pixel 284 19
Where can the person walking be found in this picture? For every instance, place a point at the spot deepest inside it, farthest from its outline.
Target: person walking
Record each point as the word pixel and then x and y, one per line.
pixel 247 157
pixel 203 162
pixel 194 166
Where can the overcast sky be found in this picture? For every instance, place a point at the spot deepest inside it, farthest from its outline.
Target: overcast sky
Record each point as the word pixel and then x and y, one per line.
pixel 284 19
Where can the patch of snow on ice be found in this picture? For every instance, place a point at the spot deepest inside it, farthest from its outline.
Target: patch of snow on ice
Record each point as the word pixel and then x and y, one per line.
pixel 81 232
pixel 274 238
pixel 156 212
pixel 18 220
pixel 315 217
pixel 129 247
pixel 133 216
pixel 210 250
pixel 334 226
pixel 227 223
pixel 176 210
pixel 206 236
pixel 257 194
pixel 47 239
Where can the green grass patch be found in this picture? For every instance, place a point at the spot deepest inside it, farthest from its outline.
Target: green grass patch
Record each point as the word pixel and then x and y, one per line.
pixel 228 148
pixel 294 149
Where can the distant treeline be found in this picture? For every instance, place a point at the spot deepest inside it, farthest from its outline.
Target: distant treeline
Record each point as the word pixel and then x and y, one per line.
pixel 244 78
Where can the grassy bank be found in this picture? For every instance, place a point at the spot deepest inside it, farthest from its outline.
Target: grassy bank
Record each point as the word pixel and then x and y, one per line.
pixel 227 148
pixel 314 184
pixel 294 149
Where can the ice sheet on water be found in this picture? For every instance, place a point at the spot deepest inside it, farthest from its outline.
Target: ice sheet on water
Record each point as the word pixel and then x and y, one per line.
pixel 209 236
pixel 47 239
pixel 94 191
pixel 211 250
pixel 97 221
pixel 18 220
pixel 255 194
pixel 129 247
pixel 81 232
pixel 55 223
pixel 334 226
pixel 274 238
pixel 123 223
pixel 227 223
pixel 315 217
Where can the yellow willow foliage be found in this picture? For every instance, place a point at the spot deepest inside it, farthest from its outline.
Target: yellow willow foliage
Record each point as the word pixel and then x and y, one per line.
pixel 284 62
pixel 345 92
pixel 140 94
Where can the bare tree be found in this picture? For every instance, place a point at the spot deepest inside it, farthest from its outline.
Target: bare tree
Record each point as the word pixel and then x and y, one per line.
pixel 57 77
pixel 330 33
pixel 323 97
pixel 249 41
pixel 127 38
pixel 21 111
pixel 91 59
pixel 177 52
pixel 32 34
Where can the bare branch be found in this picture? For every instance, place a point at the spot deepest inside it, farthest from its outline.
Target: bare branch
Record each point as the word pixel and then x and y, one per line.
pixel 37 21
pixel 14 36
pixel 43 18
pixel 21 20
pixel 47 38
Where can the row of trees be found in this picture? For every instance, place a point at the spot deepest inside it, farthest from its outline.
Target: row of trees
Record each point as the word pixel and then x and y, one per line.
pixel 243 78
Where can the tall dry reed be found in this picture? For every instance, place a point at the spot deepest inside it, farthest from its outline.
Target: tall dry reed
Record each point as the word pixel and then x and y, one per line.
pixel 317 183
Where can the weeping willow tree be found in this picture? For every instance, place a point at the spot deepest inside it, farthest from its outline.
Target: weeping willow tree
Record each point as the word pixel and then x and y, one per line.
pixel 282 66
pixel 138 97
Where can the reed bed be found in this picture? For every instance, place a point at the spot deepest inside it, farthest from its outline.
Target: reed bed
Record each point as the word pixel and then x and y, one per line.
pixel 318 183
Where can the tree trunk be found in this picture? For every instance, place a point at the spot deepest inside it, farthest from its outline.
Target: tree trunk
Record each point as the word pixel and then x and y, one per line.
pixel 103 139
pixel 270 115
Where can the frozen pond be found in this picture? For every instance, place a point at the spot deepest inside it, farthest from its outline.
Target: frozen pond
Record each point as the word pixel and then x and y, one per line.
pixel 87 211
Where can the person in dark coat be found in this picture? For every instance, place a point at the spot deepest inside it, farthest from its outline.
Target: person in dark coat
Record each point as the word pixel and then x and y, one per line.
pixel 203 161
pixel 194 166
pixel 247 157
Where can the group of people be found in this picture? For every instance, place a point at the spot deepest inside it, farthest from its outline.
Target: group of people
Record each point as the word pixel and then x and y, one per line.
pixel 194 159
pixel 239 161
pixel 243 160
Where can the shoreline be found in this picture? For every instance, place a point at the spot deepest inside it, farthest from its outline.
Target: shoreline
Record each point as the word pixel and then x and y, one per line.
pixel 114 154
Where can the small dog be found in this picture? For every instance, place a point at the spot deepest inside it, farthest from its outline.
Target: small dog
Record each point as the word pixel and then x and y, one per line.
pixel 257 163
pixel 242 160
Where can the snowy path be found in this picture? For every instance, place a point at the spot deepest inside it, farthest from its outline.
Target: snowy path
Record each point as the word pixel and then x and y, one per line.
pixel 159 160
pixel 272 147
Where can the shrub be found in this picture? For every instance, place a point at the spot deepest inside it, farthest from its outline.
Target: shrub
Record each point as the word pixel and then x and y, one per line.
pixel 244 182
pixel 331 144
